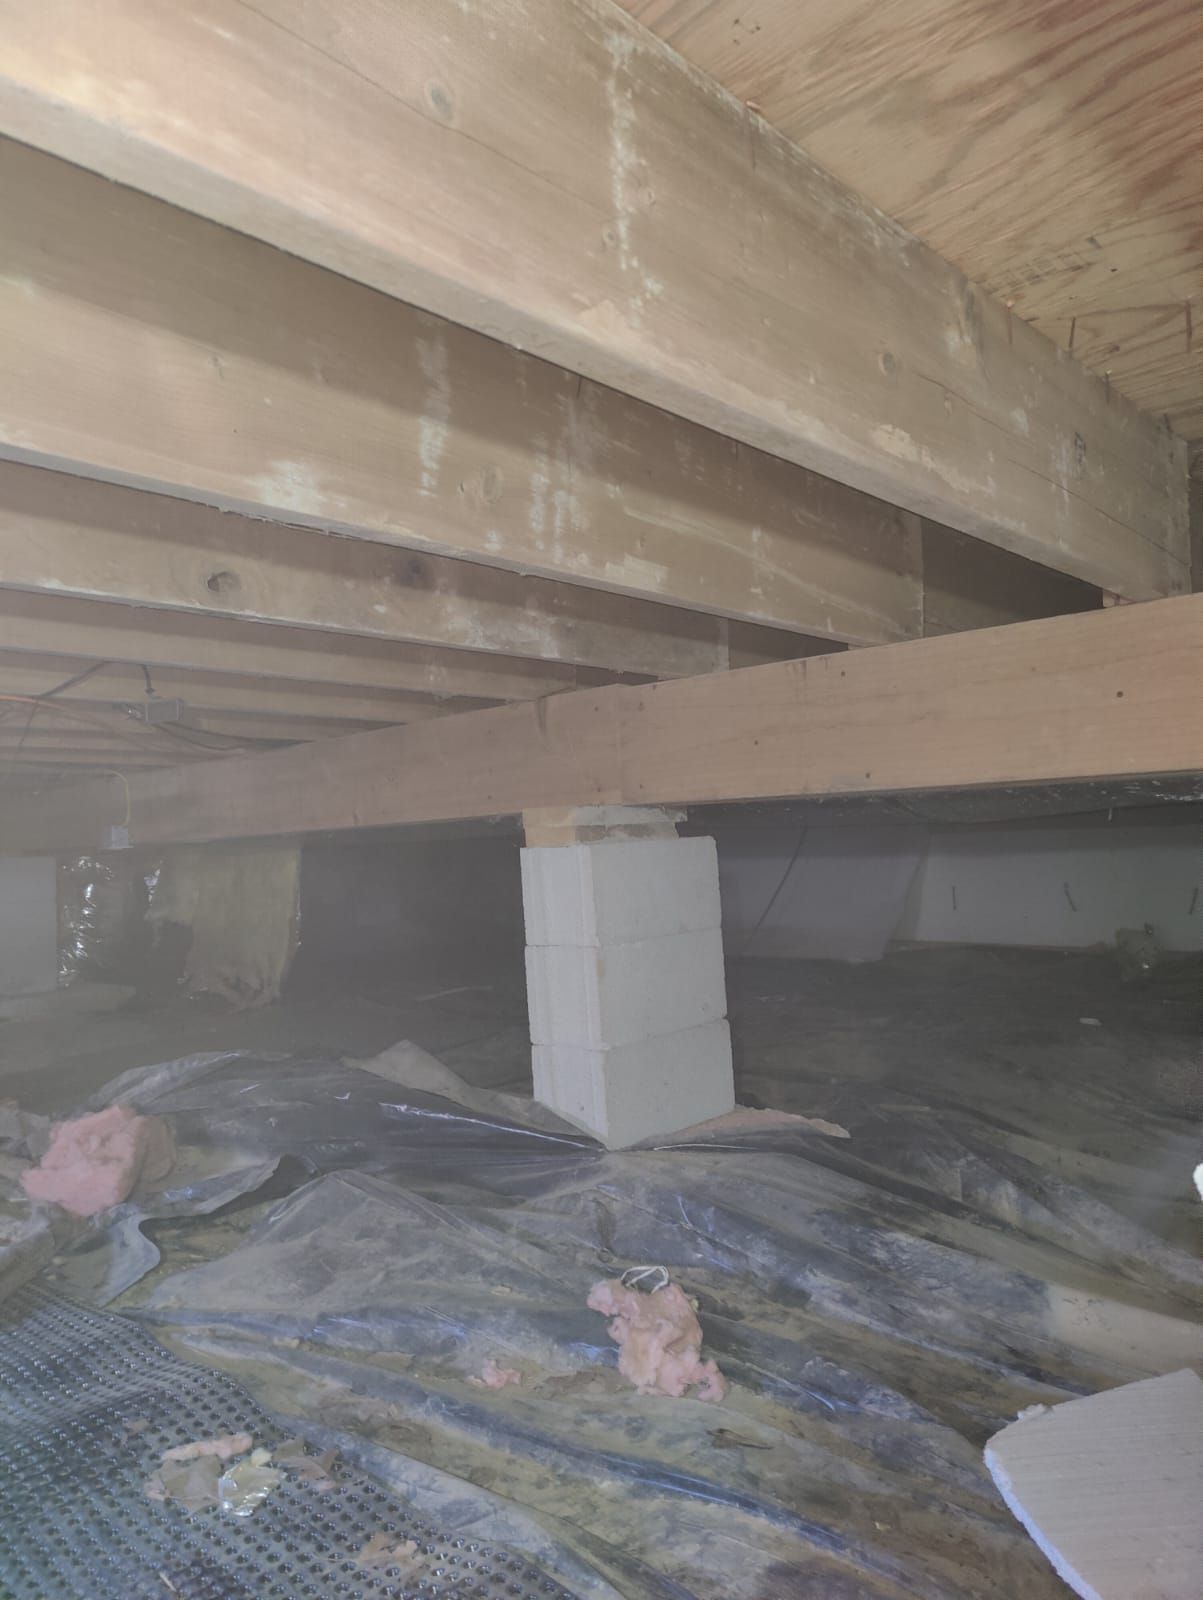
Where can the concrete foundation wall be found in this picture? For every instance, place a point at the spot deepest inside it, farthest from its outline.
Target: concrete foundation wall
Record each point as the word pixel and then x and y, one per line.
pixel 834 894
pixel 847 892
pixel 1069 887
pixel 28 924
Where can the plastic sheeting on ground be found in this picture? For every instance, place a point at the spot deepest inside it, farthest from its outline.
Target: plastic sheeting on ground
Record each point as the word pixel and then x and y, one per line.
pixel 880 1305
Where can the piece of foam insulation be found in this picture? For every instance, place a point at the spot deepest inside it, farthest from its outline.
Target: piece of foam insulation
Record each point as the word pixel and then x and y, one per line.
pixel 1111 1488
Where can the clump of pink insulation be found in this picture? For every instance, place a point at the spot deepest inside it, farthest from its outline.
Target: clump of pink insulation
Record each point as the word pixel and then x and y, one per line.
pixel 496 1377
pixel 97 1161
pixel 659 1340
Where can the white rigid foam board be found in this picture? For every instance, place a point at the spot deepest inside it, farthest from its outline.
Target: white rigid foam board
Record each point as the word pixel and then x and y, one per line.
pixel 625 1093
pixel 616 893
pixel 620 993
pixel 1111 1488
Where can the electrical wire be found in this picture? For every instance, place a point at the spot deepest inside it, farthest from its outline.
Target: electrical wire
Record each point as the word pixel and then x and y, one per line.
pixel 112 772
pixel 69 683
pixel 199 736
pixel 145 736
pixel 138 738
pixel 175 731
pixel 48 694
pixel 773 898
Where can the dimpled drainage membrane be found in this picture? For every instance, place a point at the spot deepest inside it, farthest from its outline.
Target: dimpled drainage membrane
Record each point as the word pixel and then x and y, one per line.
pixel 75 1520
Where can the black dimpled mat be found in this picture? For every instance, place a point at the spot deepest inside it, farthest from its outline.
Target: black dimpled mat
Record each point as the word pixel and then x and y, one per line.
pixel 88 1404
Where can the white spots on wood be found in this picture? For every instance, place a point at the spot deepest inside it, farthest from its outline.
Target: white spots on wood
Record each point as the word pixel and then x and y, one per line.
pixel 624 164
pixel 756 541
pixel 290 485
pixel 434 424
pixel 896 442
pixel 558 513
pixel 1019 421
pixel 629 191
pixel 540 488
pixel 636 572
pixel 25 287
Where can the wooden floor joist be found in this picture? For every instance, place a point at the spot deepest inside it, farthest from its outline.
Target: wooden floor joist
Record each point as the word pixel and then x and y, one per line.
pixel 175 577
pixel 121 683
pixel 631 222
pixel 89 631
pixel 1105 696
pixel 65 535
pixel 146 346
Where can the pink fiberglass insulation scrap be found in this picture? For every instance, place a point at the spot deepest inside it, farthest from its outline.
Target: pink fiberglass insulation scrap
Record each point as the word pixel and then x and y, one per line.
pixel 494 1376
pixel 659 1340
pixel 97 1161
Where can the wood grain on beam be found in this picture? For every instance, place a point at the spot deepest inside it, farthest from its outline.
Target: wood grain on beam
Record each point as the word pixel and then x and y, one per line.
pixel 150 347
pixel 631 221
pixel 92 631
pixel 99 541
pixel 119 758
pixel 1107 695
pixel 1052 150
pixel 217 691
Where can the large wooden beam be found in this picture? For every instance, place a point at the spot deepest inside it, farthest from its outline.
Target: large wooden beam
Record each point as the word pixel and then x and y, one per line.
pixel 99 541
pixel 1104 696
pixel 63 536
pixel 120 683
pixel 149 347
pixel 90 631
pixel 630 221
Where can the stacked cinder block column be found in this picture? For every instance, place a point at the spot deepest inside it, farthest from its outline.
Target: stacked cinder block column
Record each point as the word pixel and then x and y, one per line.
pixel 624 972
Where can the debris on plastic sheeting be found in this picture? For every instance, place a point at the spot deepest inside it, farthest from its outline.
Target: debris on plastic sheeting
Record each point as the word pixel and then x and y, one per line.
pixel 190 1484
pixel 659 1339
pixel 314 1471
pixel 386 1550
pixel 753 1119
pixel 96 1161
pixel 244 1487
pixel 224 1448
pixel 199 1475
pixel 493 1376
pixel 1138 952
pixel 23 1130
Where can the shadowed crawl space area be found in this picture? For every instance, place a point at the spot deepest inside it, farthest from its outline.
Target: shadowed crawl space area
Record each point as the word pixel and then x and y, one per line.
pixel 364 1244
